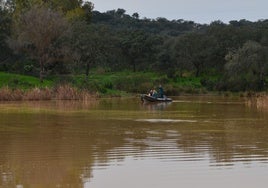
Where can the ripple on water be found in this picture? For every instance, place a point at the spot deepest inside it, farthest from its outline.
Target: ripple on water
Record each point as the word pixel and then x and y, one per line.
pixel 166 120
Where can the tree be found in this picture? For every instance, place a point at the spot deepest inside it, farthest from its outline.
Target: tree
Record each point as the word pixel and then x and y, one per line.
pixel 5 27
pixel 193 51
pixel 134 45
pixel 120 12
pixel 84 45
pixel 6 4
pixel 88 8
pixel 60 5
pixel 37 33
pixel 135 15
pixel 72 9
pixel 166 59
pixel 247 67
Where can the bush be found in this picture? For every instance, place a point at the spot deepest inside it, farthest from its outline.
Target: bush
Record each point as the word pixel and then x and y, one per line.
pixel 39 94
pixel 7 94
pixel 66 92
pixel 209 84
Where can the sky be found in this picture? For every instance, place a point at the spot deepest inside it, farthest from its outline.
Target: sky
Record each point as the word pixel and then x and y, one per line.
pixel 199 11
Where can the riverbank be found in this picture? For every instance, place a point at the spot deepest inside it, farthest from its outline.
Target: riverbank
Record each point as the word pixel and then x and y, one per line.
pixel 100 84
pixel 14 87
pixel 259 101
pixel 63 92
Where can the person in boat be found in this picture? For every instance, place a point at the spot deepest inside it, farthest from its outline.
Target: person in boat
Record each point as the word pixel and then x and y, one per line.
pixel 150 93
pixel 160 91
pixel 154 93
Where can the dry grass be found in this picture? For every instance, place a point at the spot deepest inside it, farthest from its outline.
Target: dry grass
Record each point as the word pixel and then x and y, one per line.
pixel 260 102
pixel 7 94
pixel 64 92
pixel 38 94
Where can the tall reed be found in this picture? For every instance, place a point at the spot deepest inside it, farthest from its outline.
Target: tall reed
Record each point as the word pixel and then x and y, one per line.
pixel 260 102
pixel 38 94
pixel 7 94
pixel 63 92
pixel 66 92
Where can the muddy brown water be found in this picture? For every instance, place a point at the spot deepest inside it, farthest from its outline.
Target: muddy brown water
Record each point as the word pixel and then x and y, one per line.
pixel 203 142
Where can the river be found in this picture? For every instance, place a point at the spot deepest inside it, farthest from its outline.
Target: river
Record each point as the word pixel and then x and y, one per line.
pixel 203 142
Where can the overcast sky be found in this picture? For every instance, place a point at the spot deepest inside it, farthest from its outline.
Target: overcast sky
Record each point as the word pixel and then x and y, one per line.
pixel 200 11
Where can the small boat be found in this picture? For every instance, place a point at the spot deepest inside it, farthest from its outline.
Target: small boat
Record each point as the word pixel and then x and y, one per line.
pixel 148 98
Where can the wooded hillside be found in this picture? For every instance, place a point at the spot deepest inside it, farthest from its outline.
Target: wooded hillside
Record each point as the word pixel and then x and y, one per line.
pixel 47 38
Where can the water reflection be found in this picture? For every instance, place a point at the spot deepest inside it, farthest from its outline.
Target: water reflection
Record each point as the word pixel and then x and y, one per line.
pixel 156 106
pixel 260 103
pixel 69 144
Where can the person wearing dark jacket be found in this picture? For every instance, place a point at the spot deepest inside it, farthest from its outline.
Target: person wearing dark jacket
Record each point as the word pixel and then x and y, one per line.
pixel 160 92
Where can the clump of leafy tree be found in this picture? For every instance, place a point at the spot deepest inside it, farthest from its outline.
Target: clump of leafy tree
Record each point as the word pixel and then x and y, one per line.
pixel 37 33
pixel 71 35
pixel 39 27
pixel 5 30
pixel 247 67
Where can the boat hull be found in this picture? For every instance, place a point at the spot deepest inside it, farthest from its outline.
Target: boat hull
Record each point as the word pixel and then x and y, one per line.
pixel 147 98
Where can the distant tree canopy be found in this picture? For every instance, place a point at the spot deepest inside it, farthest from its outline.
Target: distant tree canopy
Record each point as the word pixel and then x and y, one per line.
pixel 247 67
pixel 5 32
pixel 85 45
pixel 37 33
pixel 70 33
pixel 118 20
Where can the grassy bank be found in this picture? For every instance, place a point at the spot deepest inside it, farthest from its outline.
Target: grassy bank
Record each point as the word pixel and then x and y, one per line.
pixel 137 82
pixel 16 81
pixel 116 84
pixel 20 87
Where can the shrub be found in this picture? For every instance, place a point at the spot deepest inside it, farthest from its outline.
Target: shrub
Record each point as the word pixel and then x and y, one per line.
pixel 7 94
pixel 66 92
pixel 39 94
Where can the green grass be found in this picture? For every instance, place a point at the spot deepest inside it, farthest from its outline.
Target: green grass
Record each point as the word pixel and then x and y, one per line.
pixel 109 84
pixel 188 82
pixel 21 82
pixel 113 84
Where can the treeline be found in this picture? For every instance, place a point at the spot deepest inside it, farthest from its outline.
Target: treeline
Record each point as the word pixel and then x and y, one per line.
pixel 68 37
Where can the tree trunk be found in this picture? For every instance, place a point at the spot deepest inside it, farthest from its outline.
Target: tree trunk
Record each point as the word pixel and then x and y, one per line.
pixel 134 65
pixel 197 73
pixel 198 67
pixel 261 81
pixel 87 71
pixel 41 74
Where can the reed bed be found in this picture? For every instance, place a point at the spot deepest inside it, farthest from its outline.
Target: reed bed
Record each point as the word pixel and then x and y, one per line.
pixel 38 94
pixel 260 102
pixel 7 94
pixel 63 92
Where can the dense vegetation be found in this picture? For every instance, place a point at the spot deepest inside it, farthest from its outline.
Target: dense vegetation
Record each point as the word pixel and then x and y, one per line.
pixel 67 41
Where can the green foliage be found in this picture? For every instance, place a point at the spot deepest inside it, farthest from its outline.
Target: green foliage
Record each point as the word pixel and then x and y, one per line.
pixel 136 45
pixel 37 34
pixel 138 82
pixel 247 67
pixel 21 82
pixel 121 81
pixel 183 55
pixel 5 29
pixel 118 20
pixel 132 83
pixel 210 83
